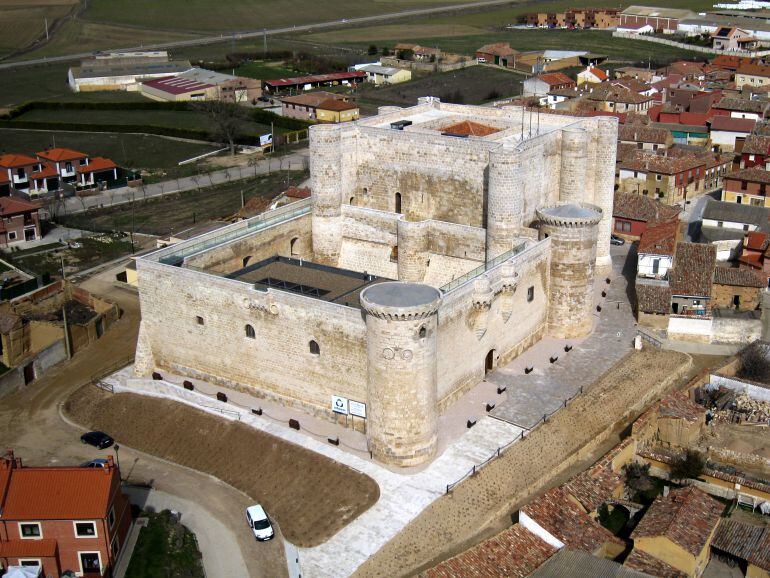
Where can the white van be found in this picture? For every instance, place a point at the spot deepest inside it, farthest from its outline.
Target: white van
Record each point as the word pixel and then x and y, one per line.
pixel 259 523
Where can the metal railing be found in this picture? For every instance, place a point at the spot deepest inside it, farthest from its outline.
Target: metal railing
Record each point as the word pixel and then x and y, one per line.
pixel 455 283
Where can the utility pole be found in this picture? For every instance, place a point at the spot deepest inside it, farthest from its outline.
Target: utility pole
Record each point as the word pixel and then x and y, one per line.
pixel 46 29
pixel 242 203
pixel 264 37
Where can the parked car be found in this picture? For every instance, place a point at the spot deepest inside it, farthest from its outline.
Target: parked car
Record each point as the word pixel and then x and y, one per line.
pixel 97 463
pixel 615 240
pixel 98 439
pixel 259 523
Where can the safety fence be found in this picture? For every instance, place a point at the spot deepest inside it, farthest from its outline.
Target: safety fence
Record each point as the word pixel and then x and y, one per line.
pixel 455 283
pixel 500 451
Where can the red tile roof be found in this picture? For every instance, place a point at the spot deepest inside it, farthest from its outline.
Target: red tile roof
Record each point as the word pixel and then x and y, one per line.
pixel 659 239
pixel 652 298
pixel 643 208
pixel 45 548
pixel 687 517
pixel 754 69
pixel 515 552
pixel 12 161
pixel 59 493
pixel 693 270
pixel 498 49
pixel 47 170
pixel 598 73
pixel 723 122
pixel 60 154
pixel 337 105
pixel 643 562
pixel 737 277
pixel 470 128
pixel 595 485
pixel 756 145
pixel 563 518
pixel 14 206
pixel 744 541
pixel 756 241
pixel 97 164
pixel 751 175
pixel 316 78
pixel 556 79
pixel 177 85
pixel 679 405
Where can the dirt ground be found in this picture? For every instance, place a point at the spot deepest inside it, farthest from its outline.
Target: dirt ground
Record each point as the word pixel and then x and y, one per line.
pixel 311 496
pixel 481 505
pixel 750 441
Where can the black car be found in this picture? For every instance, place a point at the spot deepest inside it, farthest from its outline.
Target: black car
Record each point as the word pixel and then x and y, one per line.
pixel 615 240
pixel 98 439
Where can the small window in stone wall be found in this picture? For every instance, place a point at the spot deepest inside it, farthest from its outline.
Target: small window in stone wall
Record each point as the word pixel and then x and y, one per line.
pixel 315 349
pixel 423 332
pixel 199 320
pixel 250 332
pixel 531 293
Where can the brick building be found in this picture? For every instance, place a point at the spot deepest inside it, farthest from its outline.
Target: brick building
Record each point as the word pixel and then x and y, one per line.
pixel 19 221
pixel 747 186
pixel 633 213
pixel 62 518
pixel 319 106
pixel 755 152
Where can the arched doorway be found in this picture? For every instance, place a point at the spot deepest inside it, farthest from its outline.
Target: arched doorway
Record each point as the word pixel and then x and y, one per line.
pixel 246 260
pixel 489 362
pixel 398 202
pixel 293 247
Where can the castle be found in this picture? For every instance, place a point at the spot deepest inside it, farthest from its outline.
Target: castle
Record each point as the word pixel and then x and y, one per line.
pixel 440 241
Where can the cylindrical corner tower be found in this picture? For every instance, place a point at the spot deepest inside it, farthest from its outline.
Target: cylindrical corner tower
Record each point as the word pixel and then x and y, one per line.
pixel 412 250
pixel 574 150
pixel 325 183
pixel 572 228
pixel 401 337
pixel 505 200
pixel 604 189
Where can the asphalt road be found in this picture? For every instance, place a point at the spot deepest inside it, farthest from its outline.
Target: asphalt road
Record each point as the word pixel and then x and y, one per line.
pixel 266 32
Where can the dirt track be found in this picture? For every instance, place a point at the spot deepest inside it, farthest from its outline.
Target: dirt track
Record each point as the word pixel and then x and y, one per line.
pixel 310 496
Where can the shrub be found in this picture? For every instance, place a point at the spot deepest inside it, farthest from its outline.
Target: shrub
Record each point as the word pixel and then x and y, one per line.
pixel 689 466
pixel 754 364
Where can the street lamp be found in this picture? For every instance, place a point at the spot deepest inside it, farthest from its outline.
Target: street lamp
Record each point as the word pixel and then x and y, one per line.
pixel 117 458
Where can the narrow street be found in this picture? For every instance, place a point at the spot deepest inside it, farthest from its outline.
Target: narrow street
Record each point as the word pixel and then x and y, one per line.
pixel 31 424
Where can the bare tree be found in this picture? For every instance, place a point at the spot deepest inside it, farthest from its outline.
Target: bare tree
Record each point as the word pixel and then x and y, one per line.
pixel 226 120
pixel 754 364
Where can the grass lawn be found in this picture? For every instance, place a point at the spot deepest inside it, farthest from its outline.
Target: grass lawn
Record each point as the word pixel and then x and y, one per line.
pixel 264 70
pixel 128 150
pixel 165 548
pixel 180 211
pixel 473 85
pixel 22 23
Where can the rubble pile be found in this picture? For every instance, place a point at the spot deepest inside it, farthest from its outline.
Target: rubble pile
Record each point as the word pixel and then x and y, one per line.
pixel 756 411
pixel 728 406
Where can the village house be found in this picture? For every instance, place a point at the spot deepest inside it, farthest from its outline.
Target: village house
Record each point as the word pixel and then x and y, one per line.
pixel 673 537
pixel 747 186
pixel 666 177
pixel 499 53
pixel 28 174
pixel 632 214
pixel 655 253
pixel 19 221
pixel 755 255
pixel 742 108
pixel 736 289
pixel 574 18
pixel 319 106
pixel 66 162
pixel 378 74
pixel 591 75
pixel 617 96
pixel 691 278
pixel 747 545
pixel 645 137
pixel 417 53
pixel 752 74
pixel 733 39
pixel 728 134
pixel 542 84
pixel 297 84
pixel 640 74
pixel 755 152
pixel 62 518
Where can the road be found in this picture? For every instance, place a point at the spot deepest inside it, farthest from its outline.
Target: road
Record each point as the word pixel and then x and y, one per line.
pixel 267 32
pixel 295 161
pixel 31 424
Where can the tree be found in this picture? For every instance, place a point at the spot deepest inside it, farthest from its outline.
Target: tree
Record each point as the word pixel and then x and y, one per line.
pixel 754 364
pixel 226 120
pixel 689 466
pixel 638 478
pixel 372 50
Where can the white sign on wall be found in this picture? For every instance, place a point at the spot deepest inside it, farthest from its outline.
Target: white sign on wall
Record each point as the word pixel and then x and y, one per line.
pixel 340 404
pixel 357 408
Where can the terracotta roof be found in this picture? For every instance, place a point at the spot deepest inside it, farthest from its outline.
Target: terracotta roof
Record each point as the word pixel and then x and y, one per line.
pixel 598 73
pixel 312 98
pixel 97 164
pixel 642 208
pixel 562 517
pixel 617 92
pixel 337 105
pixel 741 105
pixel 727 123
pixel 497 48
pixel 568 563
pixel 297 192
pixel 643 562
pixel 316 78
pixel 595 485
pixel 653 297
pixel 693 269
pixel 687 516
pixel 515 552
pixel 754 69
pixel 756 145
pixel 644 161
pixel 60 154
pixel 59 493
pixel 47 170
pixel 744 541
pixel 659 239
pixel 12 161
pixel 641 133
pixel 45 548
pixel 729 62
pixel 470 128
pixel 14 206
pixel 679 405
pixel 757 241
pixel 737 277
pixel 556 79
pixel 752 175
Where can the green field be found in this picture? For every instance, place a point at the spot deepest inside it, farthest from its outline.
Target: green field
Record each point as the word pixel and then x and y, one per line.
pixel 264 70
pixel 165 548
pixel 23 23
pixel 128 150
pixel 177 212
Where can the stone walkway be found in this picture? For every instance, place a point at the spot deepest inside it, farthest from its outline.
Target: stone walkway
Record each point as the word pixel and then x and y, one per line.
pixel 544 390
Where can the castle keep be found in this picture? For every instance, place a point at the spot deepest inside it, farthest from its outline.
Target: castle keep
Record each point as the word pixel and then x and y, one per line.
pixel 440 241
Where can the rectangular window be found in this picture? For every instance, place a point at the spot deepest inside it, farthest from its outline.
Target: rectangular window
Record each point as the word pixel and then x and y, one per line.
pixel 531 293
pixel 29 562
pixel 11 235
pixel 85 529
pixel 111 517
pixel 199 320
pixel 115 546
pixel 30 530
